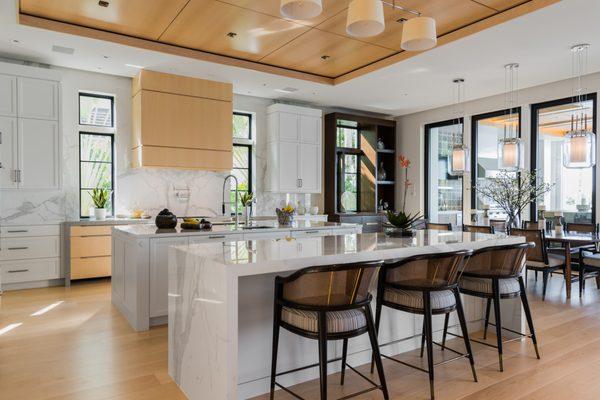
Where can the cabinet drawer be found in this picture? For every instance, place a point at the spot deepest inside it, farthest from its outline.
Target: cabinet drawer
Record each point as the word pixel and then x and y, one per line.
pixel 312 232
pixel 90 246
pixel 90 230
pixel 30 230
pixel 29 270
pixel 30 247
pixel 90 267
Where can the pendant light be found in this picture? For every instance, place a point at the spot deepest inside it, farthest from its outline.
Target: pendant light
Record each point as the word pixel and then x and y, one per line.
pixel 459 156
pixel 301 9
pixel 365 18
pixel 511 150
pixel 579 146
pixel 418 34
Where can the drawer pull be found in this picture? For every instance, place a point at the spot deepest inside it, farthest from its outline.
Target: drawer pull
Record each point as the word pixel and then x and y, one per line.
pixel 94 256
pixel 18 231
pixel 312 232
pixel 18 248
pixel 217 237
pixel 93 236
pixel 14 271
pixel 372 223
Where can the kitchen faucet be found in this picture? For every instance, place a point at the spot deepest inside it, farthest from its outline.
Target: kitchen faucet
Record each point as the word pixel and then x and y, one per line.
pixel 237 220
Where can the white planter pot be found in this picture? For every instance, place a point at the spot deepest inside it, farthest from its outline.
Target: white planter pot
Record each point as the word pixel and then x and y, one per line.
pixel 100 213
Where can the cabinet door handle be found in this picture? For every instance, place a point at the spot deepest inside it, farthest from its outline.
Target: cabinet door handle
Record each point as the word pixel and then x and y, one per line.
pixel 18 231
pixel 19 175
pixel 94 256
pixel 0 137
pixel 217 237
pixel 18 248
pixel 372 223
pixel 14 271
pixel 301 182
pixel 312 232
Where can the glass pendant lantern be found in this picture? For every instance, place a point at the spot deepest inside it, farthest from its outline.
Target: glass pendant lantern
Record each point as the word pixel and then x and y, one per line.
pixel 579 146
pixel 511 149
pixel 459 155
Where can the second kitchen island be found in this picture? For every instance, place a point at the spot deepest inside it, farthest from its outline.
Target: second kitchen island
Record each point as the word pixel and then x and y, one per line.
pixel 140 260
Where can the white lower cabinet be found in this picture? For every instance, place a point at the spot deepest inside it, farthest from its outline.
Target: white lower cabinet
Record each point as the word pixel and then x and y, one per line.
pixel 30 270
pixel 159 273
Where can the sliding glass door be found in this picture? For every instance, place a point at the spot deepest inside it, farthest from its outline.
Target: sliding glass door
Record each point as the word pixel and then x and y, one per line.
pixel 486 131
pixel 443 191
pixel 574 189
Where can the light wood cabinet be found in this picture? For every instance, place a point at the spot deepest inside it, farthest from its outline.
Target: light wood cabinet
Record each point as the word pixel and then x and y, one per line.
pixel 90 251
pixel 181 122
pixel 294 149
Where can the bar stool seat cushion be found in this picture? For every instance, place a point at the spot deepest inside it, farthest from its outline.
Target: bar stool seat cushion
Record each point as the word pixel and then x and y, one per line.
pixel 337 321
pixel 554 260
pixel 484 285
pixel 440 299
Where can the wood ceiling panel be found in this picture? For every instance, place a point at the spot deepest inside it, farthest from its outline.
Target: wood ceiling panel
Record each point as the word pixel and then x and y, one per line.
pixel 205 24
pixel 501 5
pixel 271 7
pixel 140 18
pixel 304 54
pixel 449 15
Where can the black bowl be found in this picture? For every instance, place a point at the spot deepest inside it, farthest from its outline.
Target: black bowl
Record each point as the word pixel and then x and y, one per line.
pixel 166 221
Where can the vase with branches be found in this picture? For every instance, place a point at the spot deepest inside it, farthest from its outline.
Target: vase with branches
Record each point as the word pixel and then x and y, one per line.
pixel 400 223
pixel 512 192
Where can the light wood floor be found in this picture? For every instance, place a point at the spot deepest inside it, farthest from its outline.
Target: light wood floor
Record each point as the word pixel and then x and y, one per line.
pixel 83 349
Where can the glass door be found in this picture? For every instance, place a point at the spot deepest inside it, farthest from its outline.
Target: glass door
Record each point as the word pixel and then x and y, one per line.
pixel 573 192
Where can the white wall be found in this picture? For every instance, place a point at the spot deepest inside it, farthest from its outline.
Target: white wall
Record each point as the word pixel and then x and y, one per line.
pixel 411 140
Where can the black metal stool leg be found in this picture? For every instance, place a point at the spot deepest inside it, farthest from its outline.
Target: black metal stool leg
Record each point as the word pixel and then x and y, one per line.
pixel 465 332
pixel 496 292
pixel 376 354
pixel 276 319
pixel 378 307
pixel 423 338
pixel 581 278
pixel 429 340
pixel 322 327
pixel 344 355
pixel 529 317
pixel 487 317
pixel 545 284
pixel 446 320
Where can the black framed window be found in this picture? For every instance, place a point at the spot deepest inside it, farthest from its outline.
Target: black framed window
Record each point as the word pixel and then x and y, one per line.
pixel 443 191
pixel 574 190
pixel 96 169
pixel 486 131
pixel 349 153
pixel 242 156
pixel 96 110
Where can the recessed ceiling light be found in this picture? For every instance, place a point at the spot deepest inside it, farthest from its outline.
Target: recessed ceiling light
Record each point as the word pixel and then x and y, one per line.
pixel 287 89
pixel 325 57
pixel 232 34
pixel 63 49
pixel 134 66
pixel 15 41
pixel 401 20
pixel 103 3
pixel 106 57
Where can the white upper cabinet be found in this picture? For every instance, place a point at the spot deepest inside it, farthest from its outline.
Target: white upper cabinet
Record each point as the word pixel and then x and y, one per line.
pixel 8 95
pixel 38 98
pixel 294 149
pixel 38 154
pixel 8 152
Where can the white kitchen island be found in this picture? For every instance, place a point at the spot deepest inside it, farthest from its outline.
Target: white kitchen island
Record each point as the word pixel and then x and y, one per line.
pixel 140 260
pixel 221 307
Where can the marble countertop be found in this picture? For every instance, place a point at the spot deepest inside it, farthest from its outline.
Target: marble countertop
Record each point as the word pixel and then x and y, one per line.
pixel 276 255
pixel 109 221
pixel 147 230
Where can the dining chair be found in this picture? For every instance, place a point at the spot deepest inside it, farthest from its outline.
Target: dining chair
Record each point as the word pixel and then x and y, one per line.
pixel 538 257
pixel 330 302
pixel 419 224
pixel 478 228
pixel 589 266
pixel 530 225
pixel 438 226
pixel 499 225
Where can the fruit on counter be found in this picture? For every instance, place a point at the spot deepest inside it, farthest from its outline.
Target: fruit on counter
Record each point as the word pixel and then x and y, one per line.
pixel 288 209
pixel 192 220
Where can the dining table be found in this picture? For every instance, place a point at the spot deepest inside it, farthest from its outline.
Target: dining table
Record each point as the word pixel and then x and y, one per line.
pixel 569 241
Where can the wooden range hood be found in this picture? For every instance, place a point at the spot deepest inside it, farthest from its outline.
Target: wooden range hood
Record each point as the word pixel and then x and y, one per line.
pixel 181 122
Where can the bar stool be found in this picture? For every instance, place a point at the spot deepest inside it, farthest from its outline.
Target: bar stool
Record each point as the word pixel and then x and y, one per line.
pixel 426 285
pixel 478 229
pixel 494 273
pixel 438 227
pixel 327 303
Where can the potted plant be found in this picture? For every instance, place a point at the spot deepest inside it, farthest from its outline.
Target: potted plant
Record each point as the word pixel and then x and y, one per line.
pixel 100 198
pixel 401 223
pixel 285 216
pixel 512 192
pixel 247 199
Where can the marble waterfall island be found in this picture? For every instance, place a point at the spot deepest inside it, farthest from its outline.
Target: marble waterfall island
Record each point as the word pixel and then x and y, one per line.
pixel 221 307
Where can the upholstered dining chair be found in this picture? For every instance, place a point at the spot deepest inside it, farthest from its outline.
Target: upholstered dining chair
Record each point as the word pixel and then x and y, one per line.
pixel 478 228
pixel 530 225
pixel 438 226
pixel 327 303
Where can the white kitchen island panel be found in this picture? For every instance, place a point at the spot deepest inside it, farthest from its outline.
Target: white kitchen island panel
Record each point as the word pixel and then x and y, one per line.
pixel 221 307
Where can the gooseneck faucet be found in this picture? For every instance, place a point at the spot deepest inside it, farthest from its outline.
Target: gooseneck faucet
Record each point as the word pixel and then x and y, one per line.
pixel 237 220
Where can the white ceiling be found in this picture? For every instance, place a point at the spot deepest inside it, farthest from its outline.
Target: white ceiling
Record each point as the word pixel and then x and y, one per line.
pixel 539 41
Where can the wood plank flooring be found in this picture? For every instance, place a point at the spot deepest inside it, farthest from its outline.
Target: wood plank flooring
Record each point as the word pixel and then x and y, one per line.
pixel 71 343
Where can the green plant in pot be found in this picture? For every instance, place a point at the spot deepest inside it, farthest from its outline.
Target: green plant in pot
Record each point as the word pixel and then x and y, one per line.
pixel 401 223
pixel 247 199
pixel 100 198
